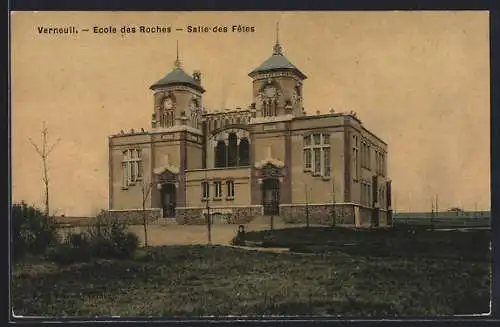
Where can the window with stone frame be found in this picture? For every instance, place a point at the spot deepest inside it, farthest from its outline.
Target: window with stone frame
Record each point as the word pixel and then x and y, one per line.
pixel 205 190
pixel 355 157
pixel 363 193
pixel 244 152
pixel 317 155
pixel 363 154
pixel 132 168
pixel 383 169
pixel 366 194
pixel 230 189
pixel 368 157
pixel 217 190
pixel 381 196
pixel 369 194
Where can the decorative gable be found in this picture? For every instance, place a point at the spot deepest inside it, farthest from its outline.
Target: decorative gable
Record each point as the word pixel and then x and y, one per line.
pixel 165 175
pixel 270 170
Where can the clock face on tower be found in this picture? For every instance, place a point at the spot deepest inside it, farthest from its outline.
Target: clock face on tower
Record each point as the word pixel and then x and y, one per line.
pixel 270 92
pixel 168 103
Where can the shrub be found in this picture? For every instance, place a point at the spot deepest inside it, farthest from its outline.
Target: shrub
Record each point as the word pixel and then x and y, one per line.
pixel 63 254
pixel 106 238
pixel 32 231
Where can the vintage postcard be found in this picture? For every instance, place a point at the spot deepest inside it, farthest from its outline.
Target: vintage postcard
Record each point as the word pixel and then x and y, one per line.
pixel 248 164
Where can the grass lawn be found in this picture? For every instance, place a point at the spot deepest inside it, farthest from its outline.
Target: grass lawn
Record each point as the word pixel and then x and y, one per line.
pixel 194 280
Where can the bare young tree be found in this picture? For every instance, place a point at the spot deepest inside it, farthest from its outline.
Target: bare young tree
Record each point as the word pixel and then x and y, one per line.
pixel 44 153
pixel 146 187
pixel 307 205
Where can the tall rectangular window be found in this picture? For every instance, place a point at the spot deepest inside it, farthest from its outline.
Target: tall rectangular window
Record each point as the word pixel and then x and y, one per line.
pixel 355 155
pixel 205 190
pixel 230 189
pixel 326 162
pixel 317 154
pixel 218 190
pixel 384 166
pixel 317 161
pixel 369 194
pixel 132 167
pixel 363 193
pixel 307 160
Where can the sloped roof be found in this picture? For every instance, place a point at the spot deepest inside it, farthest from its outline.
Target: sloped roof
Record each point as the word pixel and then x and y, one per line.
pixel 178 76
pixel 277 62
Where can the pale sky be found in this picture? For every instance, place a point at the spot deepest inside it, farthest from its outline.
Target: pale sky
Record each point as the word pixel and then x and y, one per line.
pixel 419 80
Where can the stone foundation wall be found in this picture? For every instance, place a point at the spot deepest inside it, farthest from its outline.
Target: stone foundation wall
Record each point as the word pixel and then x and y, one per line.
pixel 383 218
pixel 189 216
pixel 135 216
pixel 365 217
pixel 226 215
pixel 243 215
pixel 318 214
pixel 390 219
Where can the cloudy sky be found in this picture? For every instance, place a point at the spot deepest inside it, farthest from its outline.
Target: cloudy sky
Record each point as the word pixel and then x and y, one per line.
pixel 419 80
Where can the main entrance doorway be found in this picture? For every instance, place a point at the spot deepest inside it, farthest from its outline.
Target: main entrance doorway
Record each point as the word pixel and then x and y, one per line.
pixel 168 203
pixel 271 196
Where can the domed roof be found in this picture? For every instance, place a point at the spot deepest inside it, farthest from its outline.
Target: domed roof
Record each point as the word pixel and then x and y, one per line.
pixel 178 76
pixel 277 62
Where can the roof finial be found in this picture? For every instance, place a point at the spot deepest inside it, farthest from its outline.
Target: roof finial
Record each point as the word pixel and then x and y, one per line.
pixel 277 47
pixel 177 62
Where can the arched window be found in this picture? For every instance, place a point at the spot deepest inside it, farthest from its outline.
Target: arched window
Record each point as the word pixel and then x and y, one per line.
pixel 232 151
pixel 220 154
pixel 244 152
pixel 238 120
pixel 226 122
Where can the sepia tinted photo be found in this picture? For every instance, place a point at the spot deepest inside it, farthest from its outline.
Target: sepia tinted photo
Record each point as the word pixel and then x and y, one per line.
pixel 255 164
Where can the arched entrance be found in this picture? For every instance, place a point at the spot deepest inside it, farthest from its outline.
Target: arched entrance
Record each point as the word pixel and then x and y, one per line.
pixel 271 196
pixel 168 199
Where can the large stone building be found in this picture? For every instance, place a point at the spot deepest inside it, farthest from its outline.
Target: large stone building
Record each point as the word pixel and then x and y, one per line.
pixel 270 158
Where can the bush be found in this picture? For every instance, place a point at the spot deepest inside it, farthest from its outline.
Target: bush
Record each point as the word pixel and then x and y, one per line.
pixel 107 238
pixel 63 254
pixel 32 231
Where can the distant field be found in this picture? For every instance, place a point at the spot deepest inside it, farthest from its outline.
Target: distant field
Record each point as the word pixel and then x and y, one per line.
pixel 445 219
pixel 459 222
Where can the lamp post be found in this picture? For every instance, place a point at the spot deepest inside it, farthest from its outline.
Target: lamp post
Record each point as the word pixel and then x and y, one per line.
pixel 209 224
pixel 432 215
pixel 334 213
pixel 206 195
